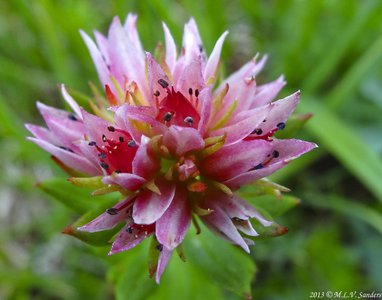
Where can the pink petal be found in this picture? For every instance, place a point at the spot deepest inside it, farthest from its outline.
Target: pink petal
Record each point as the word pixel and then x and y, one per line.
pixel 145 164
pixel 205 99
pixel 99 62
pixel 243 128
pixel 131 29
pixel 170 48
pixel 235 159
pixel 219 222
pixel 103 46
pixel 155 73
pixel 108 221
pixel 128 181
pixel 150 206
pixel 42 133
pixel 181 140
pixel 70 159
pixel 162 263
pixel 288 150
pixel 172 227
pixel 267 92
pixel 214 58
pixel 128 238
pixel 72 103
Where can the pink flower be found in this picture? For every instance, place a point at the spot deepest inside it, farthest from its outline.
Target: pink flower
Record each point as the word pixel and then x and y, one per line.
pixel 175 143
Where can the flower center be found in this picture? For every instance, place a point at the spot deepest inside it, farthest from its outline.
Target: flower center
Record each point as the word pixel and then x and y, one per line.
pixel 176 109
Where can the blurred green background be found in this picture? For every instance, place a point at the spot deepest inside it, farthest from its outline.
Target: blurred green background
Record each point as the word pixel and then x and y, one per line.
pixel 331 50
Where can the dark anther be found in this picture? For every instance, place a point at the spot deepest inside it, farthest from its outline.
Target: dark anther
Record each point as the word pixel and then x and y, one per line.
pixel 275 154
pixel 102 155
pixel 190 91
pixel 167 117
pixel 200 48
pixel 163 83
pixel 160 247
pixel 189 120
pixel 104 165
pixel 111 128
pixel 72 117
pixel 131 143
pixel 196 93
pixel 281 126
pixel 112 211
pixel 258 167
pixel 65 148
pixel 156 94
pixel 264 120
pixel 104 138
pixel 258 131
pixel 129 230
pixel 121 139
pixel 92 143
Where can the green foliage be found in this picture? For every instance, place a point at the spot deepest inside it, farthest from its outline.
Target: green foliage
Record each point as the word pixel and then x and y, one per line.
pixel 331 50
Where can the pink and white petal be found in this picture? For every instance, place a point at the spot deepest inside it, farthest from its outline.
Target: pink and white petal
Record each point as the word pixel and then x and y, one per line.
pixel 126 60
pixel 192 42
pixel 71 102
pixel 99 62
pixel 164 258
pixel 68 158
pixel 172 227
pixel 191 76
pixel 220 222
pixel 245 227
pixel 150 206
pixel 243 128
pixel 205 98
pixel 155 73
pixel 128 238
pixel 181 140
pixel 128 181
pixel 95 127
pixel 48 111
pixel 145 164
pixel 213 60
pixel 107 221
pixel 91 153
pixel 67 132
pixel 250 211
pixel 170 48
pixel 288 150
pixel 131 29
pixel 280 111
pixel 103 46
pixel 267 92
pixel 235 159
pixel 42 133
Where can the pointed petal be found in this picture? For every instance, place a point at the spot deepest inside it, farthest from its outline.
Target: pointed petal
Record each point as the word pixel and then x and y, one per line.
pixel 131 28
pixel 170 48
pixel 99 62
pixel 180 140
pixel 155 73
pixel 164 258
pixel 128 181
pixel 172 227
pixel 150 206
pixel 214 58
pixel 128 238
pixel 219 222
pixel 72 103
pixel 288 150
pixel 205 99
pixel 108 221
pixel 267 92
pixel 235 159
pixel 70 159
pixel 42 133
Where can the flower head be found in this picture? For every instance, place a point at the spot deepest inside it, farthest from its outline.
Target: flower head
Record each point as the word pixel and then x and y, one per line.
pixel 171 140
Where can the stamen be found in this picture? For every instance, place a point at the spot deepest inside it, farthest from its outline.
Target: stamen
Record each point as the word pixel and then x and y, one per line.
pixel 104 165
pixel 258 167
pixel 112 211
pixel 92 143
pixel 280 125
pixel 72 117
pixel 104 139
pixel 111 128
pixel 258 131
pixel 121 139
pixel 156 94
pixel 163 83
pixel 129 230
pixel 160 247
pixel 275 153
pixel 102 155
pixel 131 143
pixel 189 120
pixel 167 117
pixel 196 93
pixel 190 91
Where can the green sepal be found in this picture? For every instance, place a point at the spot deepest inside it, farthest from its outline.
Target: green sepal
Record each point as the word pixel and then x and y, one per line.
pixel 101 238
pixel 294 124
pixel 74 197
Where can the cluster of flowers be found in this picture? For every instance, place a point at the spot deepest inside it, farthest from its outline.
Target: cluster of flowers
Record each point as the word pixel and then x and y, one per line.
pixel 170 140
